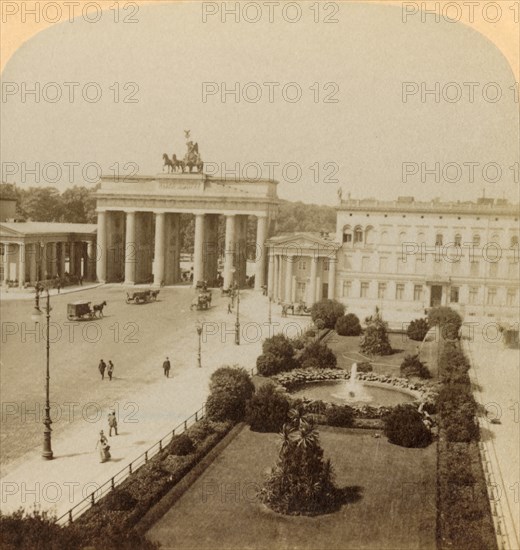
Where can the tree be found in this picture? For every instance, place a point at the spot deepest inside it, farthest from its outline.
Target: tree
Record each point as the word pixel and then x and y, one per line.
pixel 317 355
pixel 375 339
pixel 267 410
pixel 348 325
pixel 78 205
pixel 448 320
pixel 302 481
pixel 41 204
pixel 230 388
pixel 404 426
pixel 329 311
pixel 278 355
pixel 413 366
pixel 418 329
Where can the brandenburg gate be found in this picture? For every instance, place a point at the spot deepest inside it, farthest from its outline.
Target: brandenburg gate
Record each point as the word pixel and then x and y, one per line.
pixel 139 226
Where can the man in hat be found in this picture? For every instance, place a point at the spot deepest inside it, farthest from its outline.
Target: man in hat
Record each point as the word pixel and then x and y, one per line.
pixel 112 422
pixel 166 367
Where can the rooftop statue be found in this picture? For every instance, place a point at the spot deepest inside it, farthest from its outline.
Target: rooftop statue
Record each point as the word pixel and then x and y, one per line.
pixel 190 161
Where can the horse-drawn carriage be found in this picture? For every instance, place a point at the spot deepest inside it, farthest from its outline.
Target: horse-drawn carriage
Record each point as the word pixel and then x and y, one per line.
pixel 82 310
pixel 295 309
pixel 202 301
pixel 141 296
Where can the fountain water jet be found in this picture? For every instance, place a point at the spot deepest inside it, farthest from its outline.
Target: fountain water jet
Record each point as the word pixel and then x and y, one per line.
pixel 353 390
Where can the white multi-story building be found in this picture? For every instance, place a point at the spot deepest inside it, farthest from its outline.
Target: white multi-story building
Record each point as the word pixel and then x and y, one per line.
pixel 406 256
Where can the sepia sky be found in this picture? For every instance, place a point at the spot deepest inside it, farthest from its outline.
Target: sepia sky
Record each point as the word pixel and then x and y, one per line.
pixel 362 140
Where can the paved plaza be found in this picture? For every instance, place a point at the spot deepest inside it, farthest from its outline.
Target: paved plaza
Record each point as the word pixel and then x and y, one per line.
pixel 497 376
pixel 137 338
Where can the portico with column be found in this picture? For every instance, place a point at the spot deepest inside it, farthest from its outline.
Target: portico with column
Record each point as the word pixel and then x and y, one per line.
pixel 38 251
pixel 143 213
pixel 301 268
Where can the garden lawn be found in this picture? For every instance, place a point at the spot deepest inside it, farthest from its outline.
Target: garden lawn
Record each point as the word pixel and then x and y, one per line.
pixel 392 499
pixel 346 349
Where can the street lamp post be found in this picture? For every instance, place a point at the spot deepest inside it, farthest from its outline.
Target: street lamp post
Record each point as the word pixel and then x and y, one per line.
pixel 269 318
pixel 199 332
pixel 36 315
pixel 236 273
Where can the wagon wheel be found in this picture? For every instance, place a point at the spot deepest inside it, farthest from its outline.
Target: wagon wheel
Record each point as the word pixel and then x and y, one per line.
pixel 70 317
pixel 128 300
pixel 92 314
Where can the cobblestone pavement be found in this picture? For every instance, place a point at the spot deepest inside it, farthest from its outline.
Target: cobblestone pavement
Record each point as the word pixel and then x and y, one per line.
pixel 137 338
pixel 497 376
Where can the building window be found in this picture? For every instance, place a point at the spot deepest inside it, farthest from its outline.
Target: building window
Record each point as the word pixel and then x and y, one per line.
pixel 493 270
pixel 399 291
pixel 302 265
pixel 363 291
pixel 514 241
pixel 495 238
pixel 383 265
pixel 474 268
pixel 438 239
pixel 476 239
pixel 364 263
pixel 347 287
pixel 348 262
pixel 417 293
pixel 458 239
pixel 473 294
pixel 384 237
pixel 454 294
pixel 347 237
pixel 358 235
pixel 420 266
pixel 402 237
pixel 491 296
pixel 381 290
pixel 511 296
pixel 325 264
pixel 513 270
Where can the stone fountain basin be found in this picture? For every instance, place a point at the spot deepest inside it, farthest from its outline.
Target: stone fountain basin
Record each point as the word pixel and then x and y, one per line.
pixel 383 395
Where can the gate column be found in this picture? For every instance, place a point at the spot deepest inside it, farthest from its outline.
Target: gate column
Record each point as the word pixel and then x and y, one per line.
pixel 130 249
pixel 198 249
pixel 158 264
pixel 101 263
pixel 229 251
pixel 261 251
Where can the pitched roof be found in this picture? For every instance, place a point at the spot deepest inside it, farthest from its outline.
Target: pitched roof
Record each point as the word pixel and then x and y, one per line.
pixel 42 228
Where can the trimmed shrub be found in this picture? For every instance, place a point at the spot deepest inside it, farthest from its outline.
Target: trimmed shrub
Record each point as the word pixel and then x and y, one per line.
pixel 278 344
pixel 268 364
pixel 181 445
pixel 230 388
pixel 418 329
pixel 348 325
pixel 413 366
pixel 447 319
pixel 365 366
pixel 200 430
pixel 375 339
pixel 404 426
pixel 319 356
pixel 267 410
pixel 340 416
pixel 120 500
pixel 329 311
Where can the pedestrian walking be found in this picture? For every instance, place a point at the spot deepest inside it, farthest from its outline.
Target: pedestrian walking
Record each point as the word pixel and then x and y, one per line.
pixel 102 366
pixel 104 447
pixel 81 280
pixel 166 367
pixel 112 422
pixel 229 307
pixel 110 370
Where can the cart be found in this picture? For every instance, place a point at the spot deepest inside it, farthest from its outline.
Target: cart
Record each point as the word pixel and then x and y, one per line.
pixel 141 296
pixel 80 310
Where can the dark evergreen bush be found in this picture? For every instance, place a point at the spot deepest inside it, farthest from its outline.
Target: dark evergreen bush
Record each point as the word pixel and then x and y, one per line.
pixel 348 325
pixel 447 319
pixel 267 410
pixel 340 415
pixel 413 366
pixel 317 355
pixel 364 366
pixel 375 338
pixel 230 388
pixel 418 329
pixel 404 426
pixel 181 445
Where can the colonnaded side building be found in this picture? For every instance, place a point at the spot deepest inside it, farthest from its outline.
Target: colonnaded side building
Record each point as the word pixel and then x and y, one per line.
pixel 406 256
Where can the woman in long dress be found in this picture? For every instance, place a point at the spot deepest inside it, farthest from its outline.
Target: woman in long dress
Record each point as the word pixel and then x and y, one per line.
pixel 104 447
